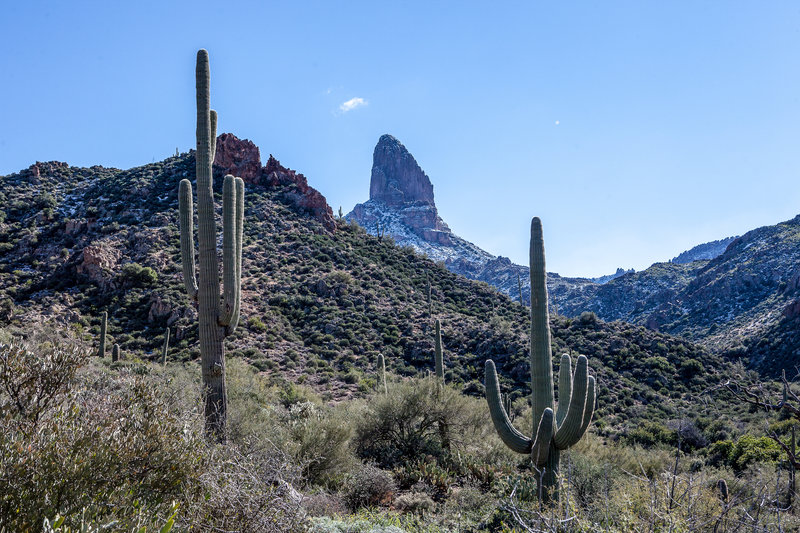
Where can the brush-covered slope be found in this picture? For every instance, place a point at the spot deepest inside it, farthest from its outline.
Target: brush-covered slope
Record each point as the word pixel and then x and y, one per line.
pixel 745 301
pixel 318 303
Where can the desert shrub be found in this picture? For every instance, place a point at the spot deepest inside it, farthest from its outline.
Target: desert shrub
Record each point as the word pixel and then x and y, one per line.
pixel 652 433
pixel 122 446
pixel 415 419
pixel 415 502
pixel 368 486
pixel 749 449
pixel 247 487
pixel 322 437
pixel 97 451
pixel 31 381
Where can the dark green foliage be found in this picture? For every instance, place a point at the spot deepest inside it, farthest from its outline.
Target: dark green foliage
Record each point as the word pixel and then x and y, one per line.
pixel 650 433
pixel 135 275
pixel 745 451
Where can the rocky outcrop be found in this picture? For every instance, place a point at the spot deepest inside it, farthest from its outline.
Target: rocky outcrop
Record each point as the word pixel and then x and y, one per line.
pixel 401 198
pixel 97 261
pixel 300 193
pixel 242 158
pixel 705 251
pixel 397 180
pixel 239 157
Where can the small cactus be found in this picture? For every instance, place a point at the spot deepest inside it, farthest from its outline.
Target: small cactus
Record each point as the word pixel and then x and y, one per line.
pixel 101 352
pixel 166 347
pixel 722 485
pixel 115 353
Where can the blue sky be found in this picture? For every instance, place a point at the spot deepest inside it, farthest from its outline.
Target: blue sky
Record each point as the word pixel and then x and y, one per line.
pixel 635 130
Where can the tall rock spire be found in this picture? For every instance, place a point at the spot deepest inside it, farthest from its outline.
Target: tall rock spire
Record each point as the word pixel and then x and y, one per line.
pixel 397 180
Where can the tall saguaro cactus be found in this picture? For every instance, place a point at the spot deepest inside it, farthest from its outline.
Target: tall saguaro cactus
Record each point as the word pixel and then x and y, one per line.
pixel 438 361
pixel 165 349
pixel 103 325
pixel 382 374
pixel 554 432
pixel 217 316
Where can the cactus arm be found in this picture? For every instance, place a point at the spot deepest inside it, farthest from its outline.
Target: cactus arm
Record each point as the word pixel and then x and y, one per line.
pixel 239 239
pixel 569 431
pixel 228 250
pixel 438 352
pixel 186 210
pixel 213 133
pixel 508 433
pixel 540 451
pixel 591 399
pixel 541 354
pixel 564 388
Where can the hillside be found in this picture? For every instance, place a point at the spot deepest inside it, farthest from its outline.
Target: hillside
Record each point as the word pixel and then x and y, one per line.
pixel 707 251
pixel 319 304
pixel 744 301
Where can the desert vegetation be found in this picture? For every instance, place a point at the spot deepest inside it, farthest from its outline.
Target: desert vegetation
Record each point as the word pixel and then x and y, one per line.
pixel 349 397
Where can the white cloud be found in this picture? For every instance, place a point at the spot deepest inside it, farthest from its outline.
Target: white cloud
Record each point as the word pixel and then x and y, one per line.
pixel 352 104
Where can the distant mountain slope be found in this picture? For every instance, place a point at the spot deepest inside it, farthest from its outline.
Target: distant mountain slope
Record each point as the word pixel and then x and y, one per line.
pixel 741 301
pixel 704 251
pixel 401 205
pixel 320 301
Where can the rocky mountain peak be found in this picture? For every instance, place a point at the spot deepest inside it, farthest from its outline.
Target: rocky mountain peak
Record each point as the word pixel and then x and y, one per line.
pixel 240 157
pixel 397 179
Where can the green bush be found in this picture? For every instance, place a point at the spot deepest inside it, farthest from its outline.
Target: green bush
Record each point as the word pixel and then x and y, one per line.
pixel 134 274
pixel 415 419
pixel 652 433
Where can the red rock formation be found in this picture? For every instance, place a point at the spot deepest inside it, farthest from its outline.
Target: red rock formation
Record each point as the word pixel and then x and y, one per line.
pixel 304 196
pixel 239 157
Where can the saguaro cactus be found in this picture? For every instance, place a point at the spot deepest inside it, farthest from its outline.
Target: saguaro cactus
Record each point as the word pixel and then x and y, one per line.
pixel 381 374
pixel 438 353
pixel 115 353
pixel 430 302
pixel 576 392
pixel 216 319
pixel 166 347
pixel 103 325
